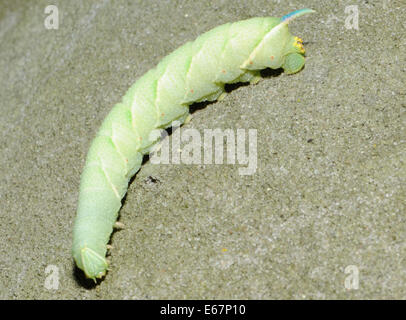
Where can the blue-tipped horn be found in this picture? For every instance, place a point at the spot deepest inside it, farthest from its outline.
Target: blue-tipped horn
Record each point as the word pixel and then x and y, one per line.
pixel 293 15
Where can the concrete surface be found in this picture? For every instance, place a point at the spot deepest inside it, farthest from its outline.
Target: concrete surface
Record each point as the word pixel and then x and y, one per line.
pixel 327 200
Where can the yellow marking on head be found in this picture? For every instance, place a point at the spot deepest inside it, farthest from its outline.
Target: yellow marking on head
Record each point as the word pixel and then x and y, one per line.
pixel 298 44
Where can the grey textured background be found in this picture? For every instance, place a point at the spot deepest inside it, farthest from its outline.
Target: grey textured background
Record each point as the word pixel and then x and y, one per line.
pixel 312 208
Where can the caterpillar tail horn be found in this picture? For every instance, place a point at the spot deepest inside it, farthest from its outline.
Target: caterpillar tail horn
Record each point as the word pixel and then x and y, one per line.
pixel 294 14
pixel 295 60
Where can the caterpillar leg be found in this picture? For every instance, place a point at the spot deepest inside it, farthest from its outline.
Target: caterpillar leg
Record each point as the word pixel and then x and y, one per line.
pixel 215 95
pixel 108 260
pixel 294 62
pixel 256 79
pixel 222 96
pixel 119 225
pixel 188 119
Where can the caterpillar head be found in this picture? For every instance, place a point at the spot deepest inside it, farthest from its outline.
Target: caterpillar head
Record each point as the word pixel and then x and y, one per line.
pixel 93 264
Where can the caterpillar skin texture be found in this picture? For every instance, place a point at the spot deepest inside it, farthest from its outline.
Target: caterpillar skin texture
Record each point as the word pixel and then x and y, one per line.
pixel 195 72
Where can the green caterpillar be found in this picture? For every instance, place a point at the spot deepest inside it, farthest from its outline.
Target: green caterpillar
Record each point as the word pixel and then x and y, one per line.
pixel 195 72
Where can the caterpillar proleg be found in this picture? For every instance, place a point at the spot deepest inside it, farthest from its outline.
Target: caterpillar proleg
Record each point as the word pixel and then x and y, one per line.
pixel 195 72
